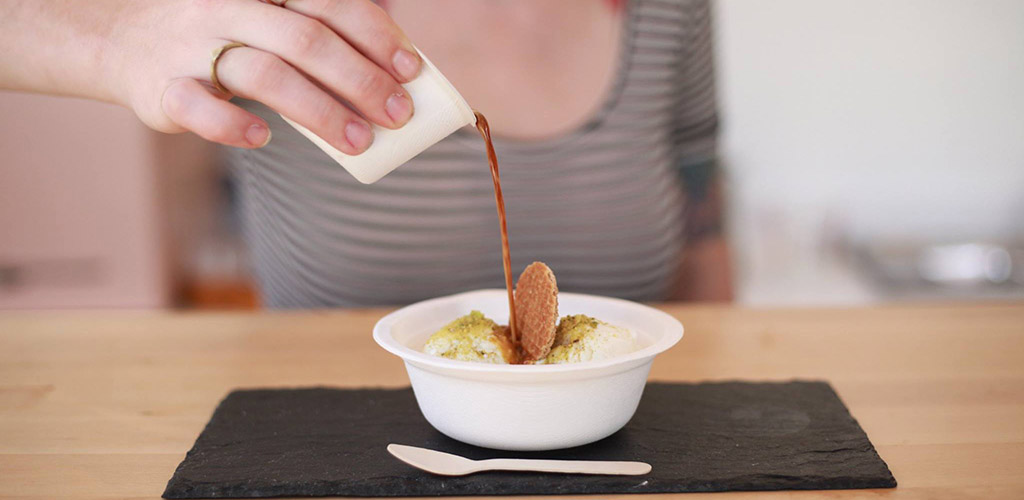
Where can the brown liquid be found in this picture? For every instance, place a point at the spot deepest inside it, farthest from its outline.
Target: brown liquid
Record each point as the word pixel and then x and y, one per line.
pixel 499 200
pixel 509 349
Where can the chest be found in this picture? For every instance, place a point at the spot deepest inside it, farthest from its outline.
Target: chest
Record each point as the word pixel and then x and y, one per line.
pixel 536 68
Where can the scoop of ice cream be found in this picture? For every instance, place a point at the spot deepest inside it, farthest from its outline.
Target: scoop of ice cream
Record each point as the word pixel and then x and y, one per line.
pixel 472 337
pixel 582 338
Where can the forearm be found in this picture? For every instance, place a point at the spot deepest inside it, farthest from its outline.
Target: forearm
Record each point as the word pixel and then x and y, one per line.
pixel 705 268
pixel 705 271
pixel 58 46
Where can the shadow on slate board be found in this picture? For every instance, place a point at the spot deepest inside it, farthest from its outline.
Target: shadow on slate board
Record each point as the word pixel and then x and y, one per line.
pixel 717 436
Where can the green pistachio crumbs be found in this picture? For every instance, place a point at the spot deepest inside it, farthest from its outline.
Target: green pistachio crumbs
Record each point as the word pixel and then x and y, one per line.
pixel 570 330
pixel 464 336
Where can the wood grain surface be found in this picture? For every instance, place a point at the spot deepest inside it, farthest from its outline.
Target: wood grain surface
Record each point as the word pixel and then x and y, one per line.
pixel 105 404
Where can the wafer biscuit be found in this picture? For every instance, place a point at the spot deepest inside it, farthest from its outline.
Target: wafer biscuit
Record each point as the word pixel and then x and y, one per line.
pixel 536 297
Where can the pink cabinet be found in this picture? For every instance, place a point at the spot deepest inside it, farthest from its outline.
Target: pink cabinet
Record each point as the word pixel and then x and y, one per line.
pixel 84 191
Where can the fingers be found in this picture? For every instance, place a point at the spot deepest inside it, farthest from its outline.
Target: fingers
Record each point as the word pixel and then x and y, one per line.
pixel 255 74
pixel 316 50
pixel 369 29
pixel 192 106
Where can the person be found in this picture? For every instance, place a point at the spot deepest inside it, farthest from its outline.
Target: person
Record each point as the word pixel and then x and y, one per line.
pixel 603 114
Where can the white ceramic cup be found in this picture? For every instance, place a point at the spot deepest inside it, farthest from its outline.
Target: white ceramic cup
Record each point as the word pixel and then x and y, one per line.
pixel 526 407
pixel 439 110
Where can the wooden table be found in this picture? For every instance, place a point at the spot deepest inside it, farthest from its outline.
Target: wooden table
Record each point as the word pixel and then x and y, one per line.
pixel 105 405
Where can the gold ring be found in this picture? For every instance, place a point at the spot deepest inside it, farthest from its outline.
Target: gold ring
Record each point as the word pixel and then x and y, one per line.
pixel 217 53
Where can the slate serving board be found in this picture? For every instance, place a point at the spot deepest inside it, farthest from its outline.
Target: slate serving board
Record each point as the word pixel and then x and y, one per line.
pixel 698 437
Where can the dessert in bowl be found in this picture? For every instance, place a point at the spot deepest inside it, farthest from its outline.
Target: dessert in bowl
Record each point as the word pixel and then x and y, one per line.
pixel 527 406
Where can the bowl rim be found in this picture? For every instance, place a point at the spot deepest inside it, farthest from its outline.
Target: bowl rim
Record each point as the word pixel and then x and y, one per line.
pixel 382 335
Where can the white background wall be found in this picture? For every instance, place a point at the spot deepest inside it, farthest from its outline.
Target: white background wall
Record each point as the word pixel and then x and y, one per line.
pixel 876 119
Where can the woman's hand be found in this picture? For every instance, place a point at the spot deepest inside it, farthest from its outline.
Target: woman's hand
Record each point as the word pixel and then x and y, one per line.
pixel 303 60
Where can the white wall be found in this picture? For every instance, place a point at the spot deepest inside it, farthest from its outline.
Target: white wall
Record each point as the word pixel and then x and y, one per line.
pixel 879 119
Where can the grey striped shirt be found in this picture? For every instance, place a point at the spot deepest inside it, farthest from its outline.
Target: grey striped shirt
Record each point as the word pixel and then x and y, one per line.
pixel 602 205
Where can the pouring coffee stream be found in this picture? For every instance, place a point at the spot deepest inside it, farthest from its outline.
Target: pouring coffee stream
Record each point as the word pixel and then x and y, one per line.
pixel 499 200
pixel 440 111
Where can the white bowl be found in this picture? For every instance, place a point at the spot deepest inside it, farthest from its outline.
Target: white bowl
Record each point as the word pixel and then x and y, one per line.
pixel 526 407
